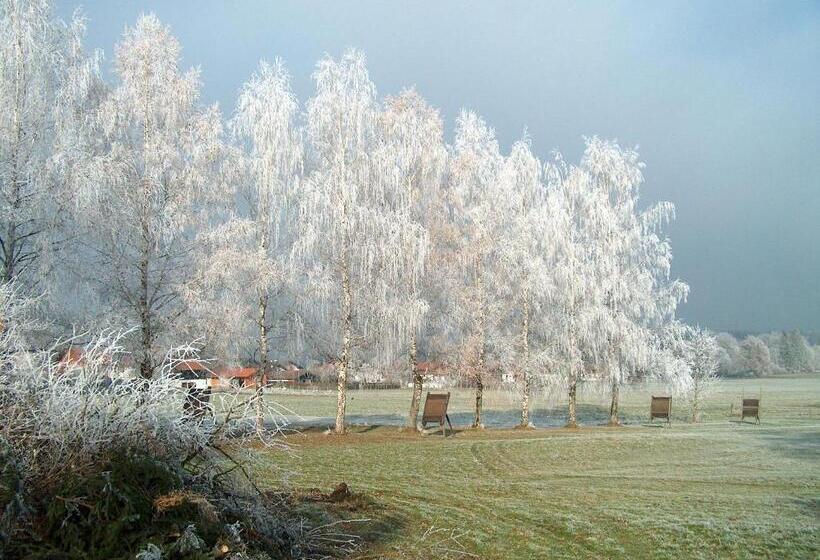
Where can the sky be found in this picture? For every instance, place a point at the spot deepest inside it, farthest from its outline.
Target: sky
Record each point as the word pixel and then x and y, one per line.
pixel 720 98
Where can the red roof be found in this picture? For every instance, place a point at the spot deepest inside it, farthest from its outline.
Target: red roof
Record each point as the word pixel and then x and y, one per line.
pixel 438 368
pixel 280 374
pixel 190 365
pixel 237 372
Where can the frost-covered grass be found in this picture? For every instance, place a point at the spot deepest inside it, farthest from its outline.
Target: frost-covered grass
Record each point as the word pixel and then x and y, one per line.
pixel 718 489
pixel 501 407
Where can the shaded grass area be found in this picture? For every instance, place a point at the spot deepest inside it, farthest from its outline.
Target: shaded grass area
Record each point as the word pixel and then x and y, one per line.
pixel 721 489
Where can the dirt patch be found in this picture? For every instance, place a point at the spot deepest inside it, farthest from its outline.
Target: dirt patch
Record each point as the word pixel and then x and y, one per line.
pixel 340 497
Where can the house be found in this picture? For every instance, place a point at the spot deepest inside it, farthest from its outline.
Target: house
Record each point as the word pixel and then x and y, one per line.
pixel 245 377
pixel 291 373
pixel 368 373
pixel 324 372
pixel 194 374
pixel 238 377
pixel 76 357
pixel 436 374
pixel 284 373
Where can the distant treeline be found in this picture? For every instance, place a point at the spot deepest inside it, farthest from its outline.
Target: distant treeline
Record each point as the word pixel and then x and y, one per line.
pixel 771 353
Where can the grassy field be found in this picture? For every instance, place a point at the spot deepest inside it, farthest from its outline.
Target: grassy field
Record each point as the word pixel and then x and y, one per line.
pixel 720 489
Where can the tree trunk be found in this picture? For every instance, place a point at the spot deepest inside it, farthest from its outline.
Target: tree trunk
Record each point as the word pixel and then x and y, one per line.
pixel 525 403
pixel 479 398
pixel 572 418
pixel 146 358
pixel 482 334
pixel 413 419
pixel 525 369
pixel 613 405
pixel 614 372
pixel 144 303
pixel 262 372
pixel 479 382
pixel 347 325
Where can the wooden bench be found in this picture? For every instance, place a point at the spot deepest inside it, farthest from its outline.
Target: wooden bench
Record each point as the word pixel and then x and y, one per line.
pixel 661 407
pixel 435 411
pixel 750 408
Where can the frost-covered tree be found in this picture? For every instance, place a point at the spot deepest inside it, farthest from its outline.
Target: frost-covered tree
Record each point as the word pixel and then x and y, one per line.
pixel 250 261
pixel 794 352
pixel 349 248
pixel 755 357
pixel 631 263
pixel 610 270
pixel 522 262
pixel 693 366
pixel 17 323
pixel 146 190
pixel 45 81
pixel 473 195
pixel 728 353
pixel 411 159
pixel 575 309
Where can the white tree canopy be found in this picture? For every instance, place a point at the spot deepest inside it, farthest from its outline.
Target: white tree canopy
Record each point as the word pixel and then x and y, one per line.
pixel 247 269
pixel 46 81
pixel 689 360
pixel 523 263
pixel 148 185
pixel 349 245
pixel 631 262
pixel 410 159
pixel 474 197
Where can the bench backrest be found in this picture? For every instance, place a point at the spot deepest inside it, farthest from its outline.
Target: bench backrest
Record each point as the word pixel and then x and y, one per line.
pixel 751 406
pixel 661 406
pixel 435 407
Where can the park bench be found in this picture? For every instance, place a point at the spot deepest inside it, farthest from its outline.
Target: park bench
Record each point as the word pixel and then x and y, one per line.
pixel 435 411
pixel 661 407
pixel 750 408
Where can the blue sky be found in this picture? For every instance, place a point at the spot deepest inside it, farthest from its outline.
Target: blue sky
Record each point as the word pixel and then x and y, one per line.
pixel 720 97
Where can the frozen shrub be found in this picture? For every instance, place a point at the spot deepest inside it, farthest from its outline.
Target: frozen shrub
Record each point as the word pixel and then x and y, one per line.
pixel 96 465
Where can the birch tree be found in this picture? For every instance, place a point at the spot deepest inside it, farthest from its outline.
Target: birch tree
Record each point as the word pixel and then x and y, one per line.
pixel 249 264
pixel 145 198
pixel 523 250
pixel 575 312
pixel 473 193
pixel 349 247
pixel 631 262
pixel 266 120
pixel 694 364
pixel 45 79
pixel 412 156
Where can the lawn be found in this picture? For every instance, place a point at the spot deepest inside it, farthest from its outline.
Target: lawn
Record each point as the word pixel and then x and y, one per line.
pixel 717 489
